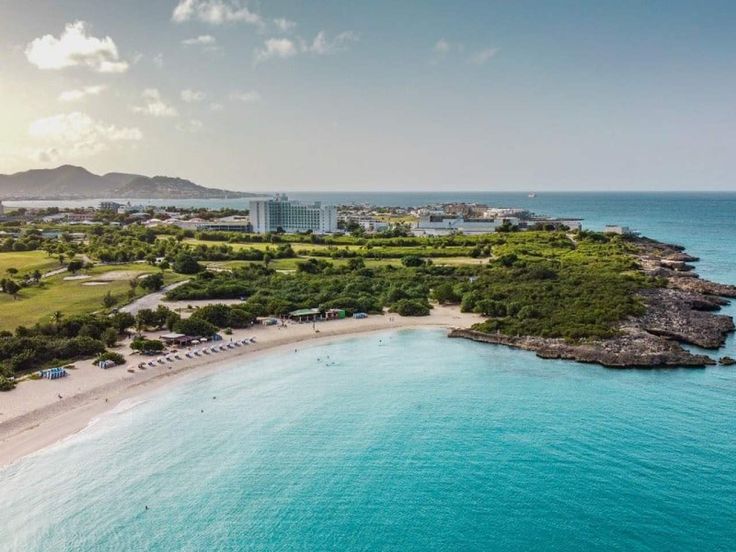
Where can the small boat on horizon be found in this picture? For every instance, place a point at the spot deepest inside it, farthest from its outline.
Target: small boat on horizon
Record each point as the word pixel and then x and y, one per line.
pixel 532 195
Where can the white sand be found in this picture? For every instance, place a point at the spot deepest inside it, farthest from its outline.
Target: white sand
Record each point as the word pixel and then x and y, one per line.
pixel 33 417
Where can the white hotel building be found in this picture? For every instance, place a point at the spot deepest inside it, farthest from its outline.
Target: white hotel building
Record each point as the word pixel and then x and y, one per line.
pixel 292 216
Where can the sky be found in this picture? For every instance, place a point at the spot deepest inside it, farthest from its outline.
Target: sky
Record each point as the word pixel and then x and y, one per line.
pixel 382 95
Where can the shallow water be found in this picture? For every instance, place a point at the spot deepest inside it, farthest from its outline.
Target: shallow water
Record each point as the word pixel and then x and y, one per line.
pixel 418 442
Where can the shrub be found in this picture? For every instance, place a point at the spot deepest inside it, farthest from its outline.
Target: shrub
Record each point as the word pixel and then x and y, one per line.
pixel 412 261
pixel 6 384
pixel 411 307
pixel 147 345
pixel 117 358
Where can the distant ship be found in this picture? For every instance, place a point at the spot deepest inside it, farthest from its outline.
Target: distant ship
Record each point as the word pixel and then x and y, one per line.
pixel 532 195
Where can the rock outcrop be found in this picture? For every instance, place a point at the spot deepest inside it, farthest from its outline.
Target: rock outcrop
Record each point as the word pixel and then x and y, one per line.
pixel 632 348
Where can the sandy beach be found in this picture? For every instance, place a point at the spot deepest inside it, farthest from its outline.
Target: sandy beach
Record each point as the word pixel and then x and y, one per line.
pixel 33 416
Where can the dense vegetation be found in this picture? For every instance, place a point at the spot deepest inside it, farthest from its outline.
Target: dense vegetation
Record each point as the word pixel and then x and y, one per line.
pixel 544 283
pixel 316 283
pixel 538 283
pixel 58 342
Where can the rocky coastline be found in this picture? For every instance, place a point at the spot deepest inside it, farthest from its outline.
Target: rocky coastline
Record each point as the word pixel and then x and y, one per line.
pixel 682 311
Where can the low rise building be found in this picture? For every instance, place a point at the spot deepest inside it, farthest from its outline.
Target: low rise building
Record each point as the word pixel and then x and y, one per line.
pixel 616 229
pixel 110 206
pixel 438 225
pixel 236 223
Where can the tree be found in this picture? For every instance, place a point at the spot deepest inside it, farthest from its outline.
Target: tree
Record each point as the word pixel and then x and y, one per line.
pixel 445 293
pixel 121 321
pixel 12 288
pixel 12 271
pixel 152 283
pixel 412 261
pixel 109 300
pixel 36 275
pixel 217 315
pixel 110 337
pixel 75 266
pixel 146 318
pixel 147 345
pixel 195 327
pixel 56 317
pixel 356 263
pixel 185 263
pixel 412 307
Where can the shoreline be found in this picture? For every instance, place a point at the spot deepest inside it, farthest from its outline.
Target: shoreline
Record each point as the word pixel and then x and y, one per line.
pixel 33 418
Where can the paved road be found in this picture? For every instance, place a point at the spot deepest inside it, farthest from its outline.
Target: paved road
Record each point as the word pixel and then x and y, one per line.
pixel 150 301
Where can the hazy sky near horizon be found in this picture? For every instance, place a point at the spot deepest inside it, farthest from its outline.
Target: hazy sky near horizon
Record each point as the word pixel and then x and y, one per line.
pixel 381 95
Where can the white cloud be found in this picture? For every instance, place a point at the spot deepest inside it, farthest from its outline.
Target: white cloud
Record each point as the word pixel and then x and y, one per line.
pixel 192 125
pixel 192 96
pixel 158 60
pixel 246 97
pixel 277 47
pixel 201 40
pixel 321 45
pixel 80 93
pixel 216 106
pixel 154 105
pixel 75 48
pixel 215 12
pixel 77 135
pixel 481 57
pixel 442 47
pixel 284 25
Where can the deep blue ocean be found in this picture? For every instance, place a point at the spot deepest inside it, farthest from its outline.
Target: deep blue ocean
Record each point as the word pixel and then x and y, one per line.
pixel 410 441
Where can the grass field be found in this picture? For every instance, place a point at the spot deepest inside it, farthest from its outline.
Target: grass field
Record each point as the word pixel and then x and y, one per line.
pixel 26 262
pixel 72 296
pixel 290 264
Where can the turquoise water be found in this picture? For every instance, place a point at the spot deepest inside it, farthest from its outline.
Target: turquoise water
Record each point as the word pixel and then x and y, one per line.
pixel 410 441
pixel 416 443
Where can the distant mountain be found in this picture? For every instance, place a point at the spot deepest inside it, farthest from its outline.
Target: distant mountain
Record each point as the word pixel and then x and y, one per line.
pixel 119 180
pixel 64 181
pixel 71 182
pixel 166 187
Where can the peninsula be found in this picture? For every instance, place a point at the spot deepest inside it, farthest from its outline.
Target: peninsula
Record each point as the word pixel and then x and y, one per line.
pixel 677 308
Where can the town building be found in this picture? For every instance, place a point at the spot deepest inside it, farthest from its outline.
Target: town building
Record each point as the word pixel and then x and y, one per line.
pixel 282 214
pixel 439 225
pixel 235 223
pixel 110 206
pixel 616 229
pixel 2 209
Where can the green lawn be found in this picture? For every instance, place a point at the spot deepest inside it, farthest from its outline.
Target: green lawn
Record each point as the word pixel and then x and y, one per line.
pixel 26 261
pixel 261 246
pixel 72 296
pixel 290 264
